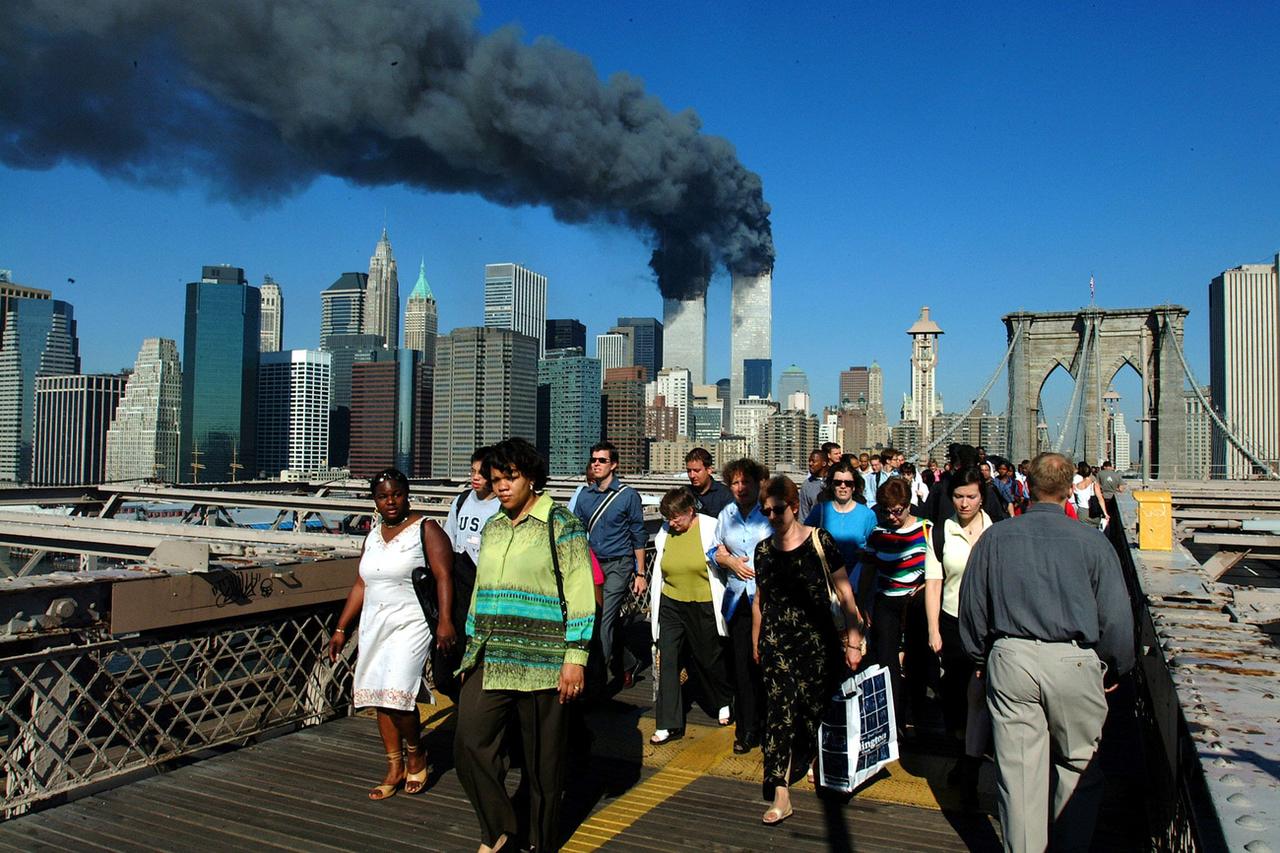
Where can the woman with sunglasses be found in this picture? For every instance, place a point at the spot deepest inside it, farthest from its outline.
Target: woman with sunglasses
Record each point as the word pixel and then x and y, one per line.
pixel 897 547
pixel 802 652
pixel 849 521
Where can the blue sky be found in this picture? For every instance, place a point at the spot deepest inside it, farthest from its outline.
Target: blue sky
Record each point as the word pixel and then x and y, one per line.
pixel 979 159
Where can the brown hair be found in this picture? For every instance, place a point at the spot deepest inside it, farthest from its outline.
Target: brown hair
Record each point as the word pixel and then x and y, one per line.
pixel 749 468
pixel 675 502
pixel 894 492
pixel 781 488
pixel 1050 477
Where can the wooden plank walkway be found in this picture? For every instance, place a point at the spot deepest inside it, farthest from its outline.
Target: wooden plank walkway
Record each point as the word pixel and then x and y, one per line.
pixel 307 791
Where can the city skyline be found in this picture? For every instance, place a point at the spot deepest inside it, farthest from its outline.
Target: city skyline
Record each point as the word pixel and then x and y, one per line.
pixel 1007 197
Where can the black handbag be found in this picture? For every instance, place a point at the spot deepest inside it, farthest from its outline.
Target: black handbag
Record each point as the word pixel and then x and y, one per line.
pixel 424 586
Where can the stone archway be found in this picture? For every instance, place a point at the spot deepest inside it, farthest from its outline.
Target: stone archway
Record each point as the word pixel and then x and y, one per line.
pixel 1136 336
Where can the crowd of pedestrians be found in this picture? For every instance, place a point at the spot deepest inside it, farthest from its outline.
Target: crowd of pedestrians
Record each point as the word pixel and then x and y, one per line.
pixel 969 581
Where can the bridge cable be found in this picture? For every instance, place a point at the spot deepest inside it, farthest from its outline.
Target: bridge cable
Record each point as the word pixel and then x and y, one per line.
pixel 1230 434
pixel 1076 393
pixel 982 395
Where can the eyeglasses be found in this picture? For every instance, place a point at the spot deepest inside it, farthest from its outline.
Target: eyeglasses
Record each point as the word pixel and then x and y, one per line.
pixel 896 511
pixel 848 484
pixel 600 460
pixel 771 511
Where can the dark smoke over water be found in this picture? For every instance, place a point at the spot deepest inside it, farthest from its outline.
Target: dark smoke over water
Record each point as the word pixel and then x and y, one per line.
pixel 258 99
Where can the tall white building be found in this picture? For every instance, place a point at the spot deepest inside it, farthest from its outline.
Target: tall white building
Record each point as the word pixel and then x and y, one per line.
pixel 421 319
pixel 793 381
pixel 294 395
pixel 39 340
pixel 272 315
pixel 923 403
pixel 684 336
pixel 877 422
pixel 142 442
pixel 673 384
pixel 382 295
pixel 1199 435
pixel 750 326
pixel 749 415
pixel 1244 363
pixel 1120 437
pixel 614 349
pixel 516 298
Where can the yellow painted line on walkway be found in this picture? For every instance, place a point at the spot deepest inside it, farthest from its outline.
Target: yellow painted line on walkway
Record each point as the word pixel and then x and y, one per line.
pixel 685 768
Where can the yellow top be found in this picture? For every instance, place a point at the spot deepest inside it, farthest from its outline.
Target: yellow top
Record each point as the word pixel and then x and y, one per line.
pixel 684 567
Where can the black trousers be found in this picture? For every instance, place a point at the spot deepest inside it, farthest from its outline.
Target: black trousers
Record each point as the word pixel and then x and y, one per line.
pixel 687 630
pixel 747 686
pixel 957 669
pixel 484 717
pixel 899 625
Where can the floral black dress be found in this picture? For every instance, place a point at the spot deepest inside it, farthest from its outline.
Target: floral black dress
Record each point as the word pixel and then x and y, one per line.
pixel 801 654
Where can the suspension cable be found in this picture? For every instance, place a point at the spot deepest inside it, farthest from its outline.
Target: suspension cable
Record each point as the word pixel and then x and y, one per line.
pixel 1226 430
pixel 1077 392
pixel 982 395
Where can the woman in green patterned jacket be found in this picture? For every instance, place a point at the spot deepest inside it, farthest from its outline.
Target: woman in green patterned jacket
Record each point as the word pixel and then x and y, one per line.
pixel 529 628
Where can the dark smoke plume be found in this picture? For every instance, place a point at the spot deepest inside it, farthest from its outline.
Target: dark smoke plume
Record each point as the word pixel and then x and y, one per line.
pixel 259 98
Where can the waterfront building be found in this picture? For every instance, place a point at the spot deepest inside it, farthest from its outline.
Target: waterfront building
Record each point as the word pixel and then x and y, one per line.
pixel 219 377
pixel 661 421
pixel 1244 364
pixel 786 438
pixel 72 415
pixel 391 414
pixel 39 340
pixel 485 390
pixel 646 342
pixel 729 447
pixel 566 334
pixel 793 381
pixel 422 318
pixel 614 349
pixel 684 339
pixel 342 308
pixel 382 295
pixel 142 442
pixel 667 457
pixel 673 384
pixel 10 290
pixel 347 351
pixel 295 393
pixel 624 417
pixel 706 422
pixel 570 423
pixel 749 415
pixel 515 298
pixel 905 436
pixel 922 403
pixel 750 332
pixel 272 314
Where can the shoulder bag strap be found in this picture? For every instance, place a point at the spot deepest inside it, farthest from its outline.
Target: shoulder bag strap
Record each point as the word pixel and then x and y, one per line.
pixel 822 557
pixel 459 501
pixel 938 535
pixel 604 504
pixel 555 564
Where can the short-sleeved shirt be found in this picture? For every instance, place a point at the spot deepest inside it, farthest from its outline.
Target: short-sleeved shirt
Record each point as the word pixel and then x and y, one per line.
pixel 849 530
pixel 465 522
pixel 1110 481
pixel 713 501
pixel 955 554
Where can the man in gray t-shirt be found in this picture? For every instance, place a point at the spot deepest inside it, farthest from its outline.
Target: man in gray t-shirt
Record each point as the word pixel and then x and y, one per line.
pixel 1110 480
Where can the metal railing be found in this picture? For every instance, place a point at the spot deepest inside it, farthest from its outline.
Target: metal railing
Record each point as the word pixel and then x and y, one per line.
pixel 86 709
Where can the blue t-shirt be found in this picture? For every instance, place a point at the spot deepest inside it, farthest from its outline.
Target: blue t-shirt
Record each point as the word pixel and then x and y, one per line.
pixel 849 529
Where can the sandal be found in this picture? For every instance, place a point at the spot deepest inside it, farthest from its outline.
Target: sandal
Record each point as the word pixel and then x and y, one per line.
pixel 382 792
pixel 775 816
pixel 414 783
pixel 726 716
pixel 662 736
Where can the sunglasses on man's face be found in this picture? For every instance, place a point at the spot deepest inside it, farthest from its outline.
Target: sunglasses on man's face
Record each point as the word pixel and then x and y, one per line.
pixel 600 460
pixel 848 484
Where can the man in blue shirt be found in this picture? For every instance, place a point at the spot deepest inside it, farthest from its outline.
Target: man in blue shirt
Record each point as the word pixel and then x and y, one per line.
pixel 614 518
pixel 739 529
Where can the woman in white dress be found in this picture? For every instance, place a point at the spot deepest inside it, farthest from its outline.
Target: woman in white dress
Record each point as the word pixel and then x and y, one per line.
pixel 394 635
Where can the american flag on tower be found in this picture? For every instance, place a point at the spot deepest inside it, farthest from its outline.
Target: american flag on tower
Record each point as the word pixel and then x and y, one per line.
pixel 1091 288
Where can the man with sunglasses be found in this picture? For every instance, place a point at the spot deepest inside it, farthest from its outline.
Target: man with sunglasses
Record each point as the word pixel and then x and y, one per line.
pixel 614 518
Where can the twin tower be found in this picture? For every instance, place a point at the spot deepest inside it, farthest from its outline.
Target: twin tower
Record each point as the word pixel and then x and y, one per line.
pixel 750 331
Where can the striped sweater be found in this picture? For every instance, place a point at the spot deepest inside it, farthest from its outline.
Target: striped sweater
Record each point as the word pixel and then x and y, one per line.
pixel 900 556
pixel 515 623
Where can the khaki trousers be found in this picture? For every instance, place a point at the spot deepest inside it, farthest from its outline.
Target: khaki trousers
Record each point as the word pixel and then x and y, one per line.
pixel 1047 710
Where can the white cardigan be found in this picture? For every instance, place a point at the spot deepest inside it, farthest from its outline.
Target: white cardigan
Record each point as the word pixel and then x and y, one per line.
pixel 707 529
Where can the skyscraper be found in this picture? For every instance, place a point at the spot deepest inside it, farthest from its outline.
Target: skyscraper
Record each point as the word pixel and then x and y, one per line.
pixel 684 337
pixel 614 349
pixel 421 320
pixel 792 381
pixel 1122 458
pixel 9 291
pixel 624 412
pixel 757 378
pixel 347 351
pixel 39 340
pixel 516 298
pixel 142 442
pixel 855 389
pixel 73 413
pixel 272 316
pixel 342 308
pixel 923 403
pixel 219 377
pixel 646 342
pixel 382 295
pixel 486 388
pixel 390 397
pixel 750 327
pixel 294 395
pixel 786 438
pixel 748 417
pixel 573 418
pixel 1199 435
pixel 877 422
pixel 566 334
pixel 1244 364
pixel 674 385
